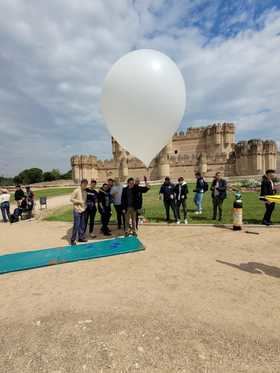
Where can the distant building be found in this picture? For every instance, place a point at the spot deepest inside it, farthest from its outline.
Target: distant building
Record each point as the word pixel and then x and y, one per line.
pixel 205 149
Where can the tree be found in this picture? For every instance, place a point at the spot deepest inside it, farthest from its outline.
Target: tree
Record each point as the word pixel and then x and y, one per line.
pixel 48 176
pixel 29 176
pixel 56 174
pixel 67 175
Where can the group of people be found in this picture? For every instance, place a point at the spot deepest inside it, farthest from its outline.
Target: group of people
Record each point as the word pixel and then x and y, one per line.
pixel 87 200
pixel 24 204
pixel 175 196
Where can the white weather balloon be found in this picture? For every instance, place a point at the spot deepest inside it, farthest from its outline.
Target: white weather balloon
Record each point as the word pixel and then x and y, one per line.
pixel 143 102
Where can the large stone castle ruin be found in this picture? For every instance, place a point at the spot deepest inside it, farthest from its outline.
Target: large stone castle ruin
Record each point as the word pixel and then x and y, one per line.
pixel 205 149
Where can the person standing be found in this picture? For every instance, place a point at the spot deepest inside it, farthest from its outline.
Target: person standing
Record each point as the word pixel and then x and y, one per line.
pixel 201 187
pixel 219 194
pixel 167 191
pixel 140 190
pixel 92 198
pixel 110 183
pixel 5 205
pixel 116 193
pixel 181 193
pixel 19 195
pixel 79 198
pixel 104 208
pixel 130 205
pixel 29 200
pixel 267 189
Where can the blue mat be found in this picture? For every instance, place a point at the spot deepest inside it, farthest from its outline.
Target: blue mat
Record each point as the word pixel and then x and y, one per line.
pixel 41 258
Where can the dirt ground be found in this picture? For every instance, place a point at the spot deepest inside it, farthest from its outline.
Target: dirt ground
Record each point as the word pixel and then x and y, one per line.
pixel 196 300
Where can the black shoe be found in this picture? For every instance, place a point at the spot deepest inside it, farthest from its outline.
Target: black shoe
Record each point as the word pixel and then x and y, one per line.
pixel 126 234
pixel 73 243
pixel 266 223
pixel 107 234
pixel 83 240
pixel 134 234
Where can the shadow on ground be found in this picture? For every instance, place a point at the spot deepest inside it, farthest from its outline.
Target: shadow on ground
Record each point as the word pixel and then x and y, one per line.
pixel 255 268
pixel 99 236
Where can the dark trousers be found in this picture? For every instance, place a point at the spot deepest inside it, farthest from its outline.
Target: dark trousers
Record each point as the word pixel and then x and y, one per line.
pixel 269 207
pixel 78 225
pixel 105 218
pixel 217 205
pixel 120 216
pixel 167 204
pixel 182 203
pixel 5 210
pixel 90 216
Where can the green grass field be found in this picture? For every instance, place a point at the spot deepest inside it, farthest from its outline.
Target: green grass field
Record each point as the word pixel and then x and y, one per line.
pixel 49 192
pixel 253 209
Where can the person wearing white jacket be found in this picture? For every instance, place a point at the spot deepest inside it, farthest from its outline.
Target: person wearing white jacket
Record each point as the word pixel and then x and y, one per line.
pixel 5 204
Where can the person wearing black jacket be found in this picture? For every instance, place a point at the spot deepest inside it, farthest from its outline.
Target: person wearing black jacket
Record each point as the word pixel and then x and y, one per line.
pixel 140 190
pixel 181 192
pixel 131 202
pixel 92 199
pixel 19 194
pixel 104 208
pixel 267 189
pixel 167 190
pixel 219 194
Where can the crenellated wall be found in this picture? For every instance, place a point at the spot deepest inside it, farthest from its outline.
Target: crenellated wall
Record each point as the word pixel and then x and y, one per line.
pixel 206 149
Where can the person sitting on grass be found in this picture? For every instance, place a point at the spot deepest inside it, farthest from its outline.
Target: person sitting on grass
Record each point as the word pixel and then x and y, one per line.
pixel 267 189
pixel 23 207
pixel 5 204
pixel 167 191
pixel 219 193
pixel 79 198
pixel 140 190
pixel 92 198
pixel 130 204
pixel 104 208
pixel 181 193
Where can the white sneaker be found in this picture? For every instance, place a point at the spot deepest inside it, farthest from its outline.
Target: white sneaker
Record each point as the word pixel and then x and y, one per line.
pixel 200 212
pixel 186 221
pixel 178 222
pixel 197 212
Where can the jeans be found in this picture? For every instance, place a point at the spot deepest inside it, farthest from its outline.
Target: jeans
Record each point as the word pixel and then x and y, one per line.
pixel 167 204
pixel 217 205
pixel 269 207
pixel 105 218
pixel 78 226
pixel 120 216
pixel 5 209
pixel 131 213
pixel 182 203
pixel 90 216
pixel 198 198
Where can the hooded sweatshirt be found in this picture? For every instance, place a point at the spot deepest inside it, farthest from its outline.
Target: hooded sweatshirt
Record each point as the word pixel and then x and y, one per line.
pixel 181 191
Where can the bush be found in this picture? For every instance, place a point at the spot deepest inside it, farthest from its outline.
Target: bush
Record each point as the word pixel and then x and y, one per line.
pixel 251 183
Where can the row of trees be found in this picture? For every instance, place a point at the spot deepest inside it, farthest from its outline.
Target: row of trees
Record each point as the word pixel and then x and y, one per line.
pixel 35 175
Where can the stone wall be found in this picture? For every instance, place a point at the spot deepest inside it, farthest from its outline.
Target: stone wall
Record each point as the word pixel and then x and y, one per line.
pixel 205 149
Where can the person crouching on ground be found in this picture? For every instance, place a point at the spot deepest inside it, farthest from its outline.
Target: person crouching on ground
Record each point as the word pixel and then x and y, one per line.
pixel 104 208
pixel 167 191
pixel 181 193
pixel 116 193
pixel 130 205
pixel 79 198
pixel 219 194
pixel 5 205
pixel 92 198
pixel 267 189
pixel 140 190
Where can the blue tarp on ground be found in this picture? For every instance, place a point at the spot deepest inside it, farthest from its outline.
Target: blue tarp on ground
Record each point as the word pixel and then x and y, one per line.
pixel 41 258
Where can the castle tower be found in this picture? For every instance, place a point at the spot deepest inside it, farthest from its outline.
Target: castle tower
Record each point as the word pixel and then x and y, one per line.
pixel 75 164
pixel 270 155
pixel 163 162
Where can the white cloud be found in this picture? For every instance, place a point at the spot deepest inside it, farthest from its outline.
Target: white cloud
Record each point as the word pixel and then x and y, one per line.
pixel 55 55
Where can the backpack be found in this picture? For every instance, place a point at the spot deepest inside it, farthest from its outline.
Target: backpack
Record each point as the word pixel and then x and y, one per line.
pixel 205 186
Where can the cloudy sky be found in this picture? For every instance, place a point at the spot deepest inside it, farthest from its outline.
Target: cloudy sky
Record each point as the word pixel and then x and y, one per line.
pixel 55 54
